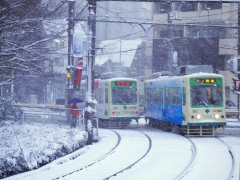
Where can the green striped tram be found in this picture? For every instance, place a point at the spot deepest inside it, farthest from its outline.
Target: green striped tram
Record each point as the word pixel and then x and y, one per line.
pixel 191 104
pixel 117 101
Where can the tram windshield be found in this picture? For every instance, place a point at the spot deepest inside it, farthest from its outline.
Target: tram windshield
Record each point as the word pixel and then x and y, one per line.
pixel 206 96
pixel 124 95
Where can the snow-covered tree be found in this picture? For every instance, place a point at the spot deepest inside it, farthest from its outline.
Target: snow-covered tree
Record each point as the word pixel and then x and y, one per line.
pixel 26 44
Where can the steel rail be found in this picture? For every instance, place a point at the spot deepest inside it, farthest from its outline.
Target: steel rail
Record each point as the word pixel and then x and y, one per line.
pixel 232 156
pixel 190 163
pixel 128 167
pixel 99 159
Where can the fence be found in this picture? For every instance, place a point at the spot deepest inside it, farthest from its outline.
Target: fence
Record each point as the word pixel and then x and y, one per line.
pixel 49 114
pixel 232 113
pixel 54 114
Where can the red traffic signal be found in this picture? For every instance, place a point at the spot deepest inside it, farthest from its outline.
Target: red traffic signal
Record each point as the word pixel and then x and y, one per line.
pixel 80 63
pixel 77 78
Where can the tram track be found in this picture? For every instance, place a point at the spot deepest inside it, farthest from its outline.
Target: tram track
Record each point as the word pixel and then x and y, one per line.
pixel 164 148
pixel 134 146
pixel 98 160
pixel 128 167
pixel 231 174
pixel 190 163
pixel 197 150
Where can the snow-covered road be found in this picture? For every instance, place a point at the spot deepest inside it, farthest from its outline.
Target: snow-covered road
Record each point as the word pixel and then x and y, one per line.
pixel 169 155
pixel 213 160
pixel 133 146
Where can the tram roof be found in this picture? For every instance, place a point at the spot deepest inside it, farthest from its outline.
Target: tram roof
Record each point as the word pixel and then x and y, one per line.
pixel 118 74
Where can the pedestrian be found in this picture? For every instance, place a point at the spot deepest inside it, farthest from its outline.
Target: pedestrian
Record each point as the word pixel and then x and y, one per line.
pixel 74 112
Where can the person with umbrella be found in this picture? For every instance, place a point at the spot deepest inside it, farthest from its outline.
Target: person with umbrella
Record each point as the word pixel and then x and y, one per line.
pixel 74 112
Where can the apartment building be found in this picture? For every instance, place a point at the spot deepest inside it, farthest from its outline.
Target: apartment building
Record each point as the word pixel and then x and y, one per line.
pixel 198 32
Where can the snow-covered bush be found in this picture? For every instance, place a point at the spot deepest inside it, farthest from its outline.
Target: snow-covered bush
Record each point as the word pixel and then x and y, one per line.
pixel 26 147
pixel 6 106
pixel 7 109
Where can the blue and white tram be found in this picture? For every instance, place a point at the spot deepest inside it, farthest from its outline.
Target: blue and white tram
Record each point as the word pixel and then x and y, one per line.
pixel 170 103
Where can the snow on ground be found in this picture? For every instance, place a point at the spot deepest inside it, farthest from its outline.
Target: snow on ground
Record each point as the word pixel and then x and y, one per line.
pixel 39 139
pixel 29 146
pixel 82 157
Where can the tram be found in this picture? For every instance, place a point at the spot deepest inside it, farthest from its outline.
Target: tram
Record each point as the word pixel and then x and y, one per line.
pixel 117 100
pixel 192 104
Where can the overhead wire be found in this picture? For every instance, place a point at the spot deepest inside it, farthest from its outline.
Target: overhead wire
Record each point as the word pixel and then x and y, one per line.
pixel 204 26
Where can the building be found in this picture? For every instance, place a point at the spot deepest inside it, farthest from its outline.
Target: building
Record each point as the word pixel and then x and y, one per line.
pixel 123 55
pixel 198 32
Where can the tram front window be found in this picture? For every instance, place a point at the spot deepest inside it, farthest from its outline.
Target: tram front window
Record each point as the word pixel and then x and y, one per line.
pixel 206 95
pixel 124 95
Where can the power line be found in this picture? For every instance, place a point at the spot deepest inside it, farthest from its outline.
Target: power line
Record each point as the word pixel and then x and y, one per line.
pixel 165 24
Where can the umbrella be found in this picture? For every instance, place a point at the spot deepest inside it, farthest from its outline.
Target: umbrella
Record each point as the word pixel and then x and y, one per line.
pixel 75 100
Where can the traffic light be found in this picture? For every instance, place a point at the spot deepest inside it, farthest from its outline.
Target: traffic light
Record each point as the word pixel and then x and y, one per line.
pixel 77 76
pixel 238 65
pixel 68 75
pixel 234 65
pixel 236 84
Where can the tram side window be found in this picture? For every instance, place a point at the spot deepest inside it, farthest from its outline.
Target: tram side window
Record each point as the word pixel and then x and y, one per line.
pixel 148 95
pixel 154 95
pixel 100 96
pixel 177 95
pixel 106 95
pixel 173 96
pixel 167 96
pixel 159 96
pixel 98 93
pixel 151 95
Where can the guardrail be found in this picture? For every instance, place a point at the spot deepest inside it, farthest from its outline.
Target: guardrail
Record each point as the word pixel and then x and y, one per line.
pixel 232 113
pixel 54 114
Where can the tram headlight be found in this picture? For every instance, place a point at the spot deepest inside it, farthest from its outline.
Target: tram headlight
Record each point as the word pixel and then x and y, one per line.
pixel 117 112
pixel 217 116
pixel 131 112
pixel 198 116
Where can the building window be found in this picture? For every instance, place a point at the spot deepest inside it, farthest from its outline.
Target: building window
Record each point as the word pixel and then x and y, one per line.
pixel 164 34
pixel 210 32
pixel 59 43
pixel 59 62
pixel 162 7
pixel 178 33
pixel 187 6
pixel 212 5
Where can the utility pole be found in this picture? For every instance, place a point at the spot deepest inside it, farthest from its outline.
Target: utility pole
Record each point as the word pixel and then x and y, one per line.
pixel 71 14
pixel 90 98
pixel 237 58
pixel 170 42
